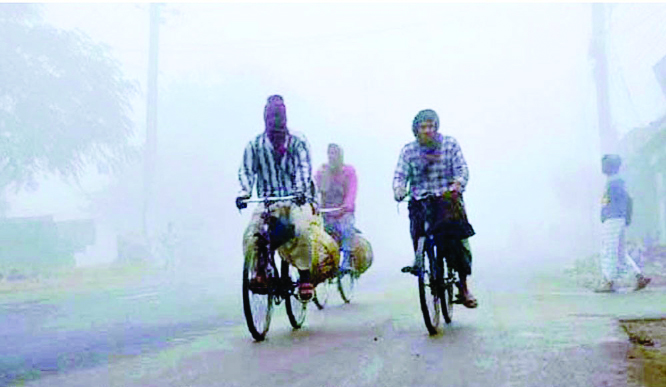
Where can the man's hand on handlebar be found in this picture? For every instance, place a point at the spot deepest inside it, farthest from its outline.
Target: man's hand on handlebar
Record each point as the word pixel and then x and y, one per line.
pixel 240 202
pixel 300 199
pixel 456 189
pixel 400 194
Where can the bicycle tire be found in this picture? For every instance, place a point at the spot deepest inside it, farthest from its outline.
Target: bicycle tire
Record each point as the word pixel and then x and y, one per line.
pixel 447 293
pixel 296 309
pixel 346 283
pixel 257 307
pixel 429 294
pixel 322 292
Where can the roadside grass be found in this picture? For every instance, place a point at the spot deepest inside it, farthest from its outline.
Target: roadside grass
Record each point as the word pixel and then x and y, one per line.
pixel 586 272
pixel 74 280
pixel 646 358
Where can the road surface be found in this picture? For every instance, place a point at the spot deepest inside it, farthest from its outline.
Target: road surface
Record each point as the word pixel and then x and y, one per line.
pixel 192 333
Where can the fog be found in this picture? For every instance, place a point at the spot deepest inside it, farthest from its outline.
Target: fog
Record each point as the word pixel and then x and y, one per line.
pixel 512 83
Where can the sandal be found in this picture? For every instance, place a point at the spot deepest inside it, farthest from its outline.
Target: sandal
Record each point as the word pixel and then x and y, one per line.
pixel 642 282
pixel 471 303
pixel 468 302
pixel 305 291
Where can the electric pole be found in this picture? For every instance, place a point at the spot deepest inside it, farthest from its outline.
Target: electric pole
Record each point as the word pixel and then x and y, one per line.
pixel 607 133
pixel 150 150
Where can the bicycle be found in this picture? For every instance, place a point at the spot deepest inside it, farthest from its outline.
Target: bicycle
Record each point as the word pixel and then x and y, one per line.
pixel 345 280
pixel 435 290
pixel 281 285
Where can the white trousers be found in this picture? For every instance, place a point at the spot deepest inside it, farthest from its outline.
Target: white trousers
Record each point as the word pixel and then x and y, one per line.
pixel 613 253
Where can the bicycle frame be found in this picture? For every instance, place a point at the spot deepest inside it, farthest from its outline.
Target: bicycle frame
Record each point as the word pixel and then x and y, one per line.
pixel 344 280
pixel 434 282
pixel 450 278
pixel 266 258
pixel 279 284
pixel 336 236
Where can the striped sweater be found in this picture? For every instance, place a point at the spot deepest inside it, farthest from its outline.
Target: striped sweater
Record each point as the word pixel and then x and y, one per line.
pixel 275 175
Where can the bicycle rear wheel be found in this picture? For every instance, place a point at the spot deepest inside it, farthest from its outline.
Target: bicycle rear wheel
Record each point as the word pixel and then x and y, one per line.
pixel 429 293
pixel 257 305
pixel 296 309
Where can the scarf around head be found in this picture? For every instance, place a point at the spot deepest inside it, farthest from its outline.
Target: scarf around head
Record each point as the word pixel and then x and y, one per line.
pixel 275 119
pixel 424 115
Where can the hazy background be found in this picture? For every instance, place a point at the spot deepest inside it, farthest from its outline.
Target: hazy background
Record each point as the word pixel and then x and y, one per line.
pixel 512 83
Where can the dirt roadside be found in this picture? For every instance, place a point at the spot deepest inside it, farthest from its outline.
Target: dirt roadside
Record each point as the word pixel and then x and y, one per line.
pixel 646 358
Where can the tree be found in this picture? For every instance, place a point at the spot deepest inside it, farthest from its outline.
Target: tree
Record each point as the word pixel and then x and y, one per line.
pixel 64 101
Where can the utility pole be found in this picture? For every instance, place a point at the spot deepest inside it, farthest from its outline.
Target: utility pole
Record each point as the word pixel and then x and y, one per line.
pixel 607 133
pixel 150 150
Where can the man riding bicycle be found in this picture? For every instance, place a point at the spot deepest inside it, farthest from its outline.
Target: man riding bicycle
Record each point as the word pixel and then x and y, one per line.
pixel 435 170
pixel 279 162
pixel 336 182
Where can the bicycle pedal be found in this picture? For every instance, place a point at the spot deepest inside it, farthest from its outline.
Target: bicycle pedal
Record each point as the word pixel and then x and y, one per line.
pixel 411 270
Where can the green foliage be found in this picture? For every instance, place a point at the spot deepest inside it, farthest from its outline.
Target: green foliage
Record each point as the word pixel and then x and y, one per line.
pixel 63 100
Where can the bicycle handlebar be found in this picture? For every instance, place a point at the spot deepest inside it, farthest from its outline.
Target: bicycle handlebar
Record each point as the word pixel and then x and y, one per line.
pixel 428 195
pixel 270 199
pixel 299 199
pixel 331 209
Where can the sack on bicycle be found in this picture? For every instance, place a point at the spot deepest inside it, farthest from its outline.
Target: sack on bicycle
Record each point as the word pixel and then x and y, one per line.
pixel 445 214
pixel 361 253
pixel 324 250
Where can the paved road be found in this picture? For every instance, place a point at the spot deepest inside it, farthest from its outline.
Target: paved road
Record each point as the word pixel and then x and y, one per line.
pixel 193 334
pixel 66 332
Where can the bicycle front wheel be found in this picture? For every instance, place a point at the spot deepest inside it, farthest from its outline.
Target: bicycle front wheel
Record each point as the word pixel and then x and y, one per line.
pixel 447 296
pixel 346 282
pixel 257 305
pixel 296 309
pixel 429 293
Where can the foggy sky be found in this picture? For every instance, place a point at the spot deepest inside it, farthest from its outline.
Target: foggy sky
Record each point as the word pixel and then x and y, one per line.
pixel 512 83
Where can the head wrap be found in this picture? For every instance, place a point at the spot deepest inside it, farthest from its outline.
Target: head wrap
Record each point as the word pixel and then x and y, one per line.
pixel 275 119
pixel 339 160
pixel 610 164
pixel 422 116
